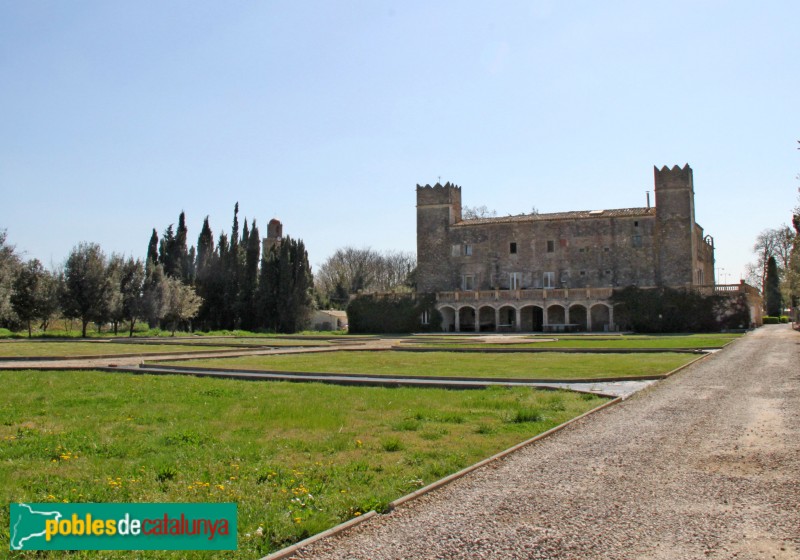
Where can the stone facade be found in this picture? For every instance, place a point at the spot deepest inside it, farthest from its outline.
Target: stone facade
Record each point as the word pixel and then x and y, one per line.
pixel 553 271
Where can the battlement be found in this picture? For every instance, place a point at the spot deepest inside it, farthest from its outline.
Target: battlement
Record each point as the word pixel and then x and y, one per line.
pixel 677 177
pixel 448 193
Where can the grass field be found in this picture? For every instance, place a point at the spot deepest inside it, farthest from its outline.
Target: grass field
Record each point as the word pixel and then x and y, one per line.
pixel 620 342
pixel 45 349
pixel 297 458
pixel 451 364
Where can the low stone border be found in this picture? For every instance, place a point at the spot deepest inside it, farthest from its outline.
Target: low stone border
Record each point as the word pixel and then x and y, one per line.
pixel 389 377
pixel 289 550
pixel 286 552
pixel 561 350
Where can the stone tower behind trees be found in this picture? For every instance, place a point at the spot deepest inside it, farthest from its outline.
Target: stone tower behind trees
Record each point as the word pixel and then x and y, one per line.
pixel 274 236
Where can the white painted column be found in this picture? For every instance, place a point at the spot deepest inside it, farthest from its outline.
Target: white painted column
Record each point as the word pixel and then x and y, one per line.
pixel 458 320
pixel 518 326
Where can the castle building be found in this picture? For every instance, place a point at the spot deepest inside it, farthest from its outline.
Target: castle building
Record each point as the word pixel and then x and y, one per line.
pixel 552 272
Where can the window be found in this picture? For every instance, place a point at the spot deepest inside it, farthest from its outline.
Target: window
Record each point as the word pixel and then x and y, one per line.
pixel 606 249
pixel 582 250
pixel 513 248
pixel 468 283
pixel 637 240
pixel 551 246
pixel 548 280
pixel 583 273
pixel 636 223
pixel 425 318
pixel 455 251
pixel 468 249
pixel 515 281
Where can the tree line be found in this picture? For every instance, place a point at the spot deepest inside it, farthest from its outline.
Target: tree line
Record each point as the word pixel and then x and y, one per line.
pixel 227 284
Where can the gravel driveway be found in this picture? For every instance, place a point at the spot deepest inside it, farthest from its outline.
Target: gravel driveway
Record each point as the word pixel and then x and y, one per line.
pixel 705 464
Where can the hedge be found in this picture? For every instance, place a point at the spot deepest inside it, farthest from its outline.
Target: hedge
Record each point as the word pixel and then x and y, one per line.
pixel 393 313
pixel 666 310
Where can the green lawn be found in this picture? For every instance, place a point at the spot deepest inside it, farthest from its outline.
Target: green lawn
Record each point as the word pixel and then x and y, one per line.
pixel 452 364
pixel 24 348
pixel 620 342
pixel 297 458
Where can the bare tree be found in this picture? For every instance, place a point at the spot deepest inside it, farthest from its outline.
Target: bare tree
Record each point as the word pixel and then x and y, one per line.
pixel 475 212
pixel 770 243
pixel 350 270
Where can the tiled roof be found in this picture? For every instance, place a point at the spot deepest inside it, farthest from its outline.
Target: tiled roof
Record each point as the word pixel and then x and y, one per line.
pixel 556 216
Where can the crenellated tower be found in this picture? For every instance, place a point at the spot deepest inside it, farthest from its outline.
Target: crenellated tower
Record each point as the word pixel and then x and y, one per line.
pixel 438 208
pixel 674 232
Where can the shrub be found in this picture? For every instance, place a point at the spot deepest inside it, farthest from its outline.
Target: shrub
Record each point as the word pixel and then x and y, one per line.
pixel 769 320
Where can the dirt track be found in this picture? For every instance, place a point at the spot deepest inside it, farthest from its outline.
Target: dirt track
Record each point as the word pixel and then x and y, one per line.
pixel 705 464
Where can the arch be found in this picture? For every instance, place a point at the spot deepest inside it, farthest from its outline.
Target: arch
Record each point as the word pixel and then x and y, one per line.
pixel 578 315
pixel 507 318
pixel 466 318
pixel 448 318
pixel 556 314
pixel 601 317
pixel 532 318
pixel 486 318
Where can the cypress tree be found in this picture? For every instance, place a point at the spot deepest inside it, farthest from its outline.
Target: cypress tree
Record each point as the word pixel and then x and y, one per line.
pixel 285 299
pixel 252 247
pixel 231 267
pixel 166 253
pixel 180 251
pixel 152 252
pixel 773 299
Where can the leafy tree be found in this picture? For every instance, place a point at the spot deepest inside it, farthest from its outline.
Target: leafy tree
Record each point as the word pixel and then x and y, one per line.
pixel 772 292
pixel 131 290
pixel 151 295
pixel 114 310
pixel 29 297
pixel 86 284
pixel 179 302
pixel 49 305
pixel 10 265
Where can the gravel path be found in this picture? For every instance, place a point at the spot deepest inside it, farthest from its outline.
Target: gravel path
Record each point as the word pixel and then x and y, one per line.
pixel 705 464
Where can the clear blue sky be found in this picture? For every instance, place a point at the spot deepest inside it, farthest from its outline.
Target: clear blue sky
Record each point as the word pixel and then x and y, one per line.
pixel 115 116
